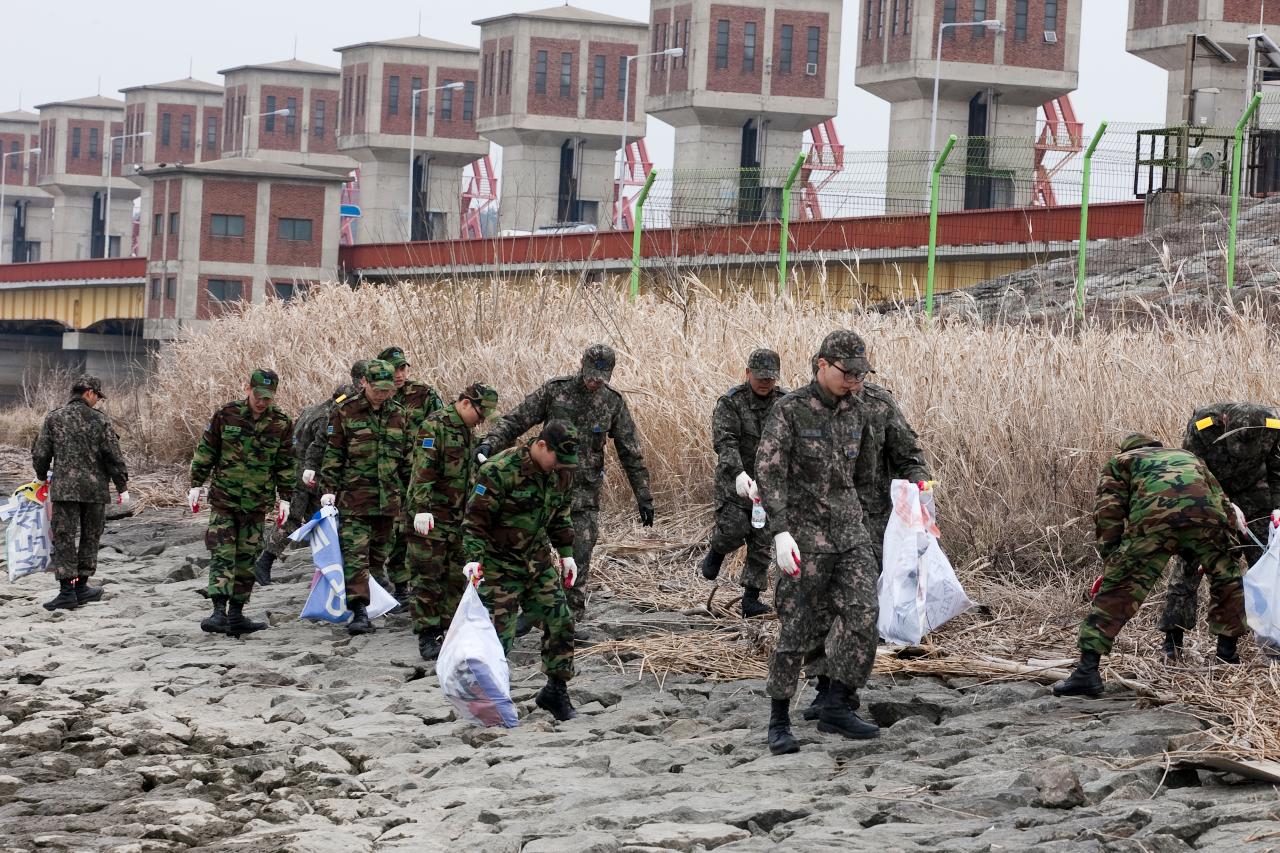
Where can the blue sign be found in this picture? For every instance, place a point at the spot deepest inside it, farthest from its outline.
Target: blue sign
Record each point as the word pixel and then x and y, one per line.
pixel 350 211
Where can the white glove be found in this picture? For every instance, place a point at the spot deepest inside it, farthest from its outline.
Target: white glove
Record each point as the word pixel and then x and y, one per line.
pixel 1241 525
pixel 569 571
pixel 124 498
pixel 282 512
pixel 309 478
pixel 424 523
pixel 787 554
pixel 481 458
pixel 193 499
pixel 473 572
pixel 746 486
pixel 327 499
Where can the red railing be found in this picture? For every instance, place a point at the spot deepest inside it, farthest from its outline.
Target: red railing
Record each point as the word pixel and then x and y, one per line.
pixel 90 270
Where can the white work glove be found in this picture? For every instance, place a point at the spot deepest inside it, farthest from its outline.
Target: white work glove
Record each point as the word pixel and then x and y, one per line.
pixel 473 572
pixel 424 523
pixel 327 499
pixel 193 499
pixel 309 478
pixel 1241 524
pixel 569 571
pixel 123 498
pixel 282 512
pixel 787 554
pixel 746 487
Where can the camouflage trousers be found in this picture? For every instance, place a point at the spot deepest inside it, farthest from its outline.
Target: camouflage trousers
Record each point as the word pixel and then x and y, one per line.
pixel 832 604
pixel 1133 568
pixel 233 540
pixel 1182 601
pixel 815 662
pixel 302 506
pixel 534 587
pixel 585 531
pixel 76 529
pixel 365 541
pixel 397 564
pixel 733 530
pixel 435 578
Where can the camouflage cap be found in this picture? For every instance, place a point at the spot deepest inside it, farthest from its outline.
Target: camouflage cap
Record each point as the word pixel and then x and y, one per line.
pixel 483 396
pixel 88 383
pixel 357 369
pixel 764 364
pixel 1135 440
pixel 264 382
pixel 394 356
pixel 562 440
pixel 598 361
pixel 846 345
pixel 380 375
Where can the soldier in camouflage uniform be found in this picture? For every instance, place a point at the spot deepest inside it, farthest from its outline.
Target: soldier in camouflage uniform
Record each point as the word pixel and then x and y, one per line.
pixel 735 431
pixel 1240 444
pixel 418 400
pixel 443 468
pixel 806 466
pixel 1154 502
pixel 599 413
pixel 244 453
pixel 522 498
pixel 308 449
pixel 82 442
pixel 364 473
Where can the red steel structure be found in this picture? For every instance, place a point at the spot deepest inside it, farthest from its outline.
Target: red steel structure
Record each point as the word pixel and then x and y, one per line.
pixel 479 193
pixel 823 163
pixel 1062 134
pixel 636 167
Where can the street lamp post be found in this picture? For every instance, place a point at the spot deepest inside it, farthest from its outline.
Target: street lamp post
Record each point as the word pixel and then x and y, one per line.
pixel 106 219
pixel 4 163
pixel 244 140
pixel 674 53
pixel 993 25
pixel 413 135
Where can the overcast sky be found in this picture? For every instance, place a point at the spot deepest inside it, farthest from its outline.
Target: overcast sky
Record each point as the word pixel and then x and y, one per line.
pixel 58 50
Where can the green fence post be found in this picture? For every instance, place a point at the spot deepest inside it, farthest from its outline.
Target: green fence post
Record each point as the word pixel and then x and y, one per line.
pixel 1084 218
pixel 1234 225
pixel 638 231
pixel 785 239
pixel 933 222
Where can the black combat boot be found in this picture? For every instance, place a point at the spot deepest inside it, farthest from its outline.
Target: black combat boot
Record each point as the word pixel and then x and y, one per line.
pixel 401 593
pixel 86 594
pixel 1227 650
pixel 216 622
pixel 781 741
pixel 751 603
pixel 66 598
pixel 820 700
pixel 1084 679
pixel 238 623
pixel 711 564
pixel 359 623
pixel 1172 645
pixel 837 716
pixel 262 568
pixel 429 644
pixel 554 698
pixel 523 625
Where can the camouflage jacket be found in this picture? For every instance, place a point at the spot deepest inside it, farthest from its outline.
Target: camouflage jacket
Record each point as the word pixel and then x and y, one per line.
pixel 366 459
pixel 514 508
pixel 806 467
pixel 1240 442
pixel 890 450
pixel 598 416
pixel 310 432
pixel 419 400
pixel 1146 490
pixel 735 432
pixel 444 464
pixel 81 446
pixel 248 460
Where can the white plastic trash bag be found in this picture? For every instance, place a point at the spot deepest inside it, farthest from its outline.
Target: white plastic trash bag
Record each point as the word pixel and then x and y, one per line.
pixel 28 541
pixel 1262 594
pixel 472 667
pixel 919 591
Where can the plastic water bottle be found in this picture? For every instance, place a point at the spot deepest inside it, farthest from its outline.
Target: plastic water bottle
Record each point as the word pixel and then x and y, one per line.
pixel 758 515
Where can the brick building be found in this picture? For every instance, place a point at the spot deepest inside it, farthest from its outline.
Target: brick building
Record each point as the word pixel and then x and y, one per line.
pixel 27 218
pixel 551 95
pixel 234 230
pixel 753 78
pixel 378 82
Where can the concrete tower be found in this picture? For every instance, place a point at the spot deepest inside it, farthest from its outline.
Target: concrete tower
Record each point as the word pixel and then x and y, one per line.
pixel 991 85
pixel 551 95
pixel 75 167
pixel 753 78
pixel 27 218
pixel 444 138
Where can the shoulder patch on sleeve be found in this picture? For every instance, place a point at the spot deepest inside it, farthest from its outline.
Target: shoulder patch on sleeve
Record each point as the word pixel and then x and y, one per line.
pixel 734 390
pixel 480 489
pixel 428 442
pixel 1205 423
pixel 329 429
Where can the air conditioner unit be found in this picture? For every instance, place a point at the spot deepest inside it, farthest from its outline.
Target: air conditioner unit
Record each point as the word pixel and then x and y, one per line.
pixel 1204 159
pixel 811 69
pixel 1050 37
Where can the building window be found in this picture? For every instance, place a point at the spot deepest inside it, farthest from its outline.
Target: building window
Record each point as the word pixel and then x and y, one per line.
pixel 75 142
pixel 502 70
pixel 224 290
pixel 979 14
pixel 893 19
pixel 166 125
pixel 173 224
pixel 416 95
pixel 486 84
pixel 866 23
pixel 784 52
pixel 361 95
pixel 211 133
pixel 597 77
pixel 185 138
pixel 508 80
pixel 117 150
pixel 270 126
pixel 295 229
pixel 93 143
pixel 157 227
pixel 446 102
pixel 566 73
pixel 317 119
pixel 622 78
pixel 346 98
pixel 814 45
pixel 722 44
pixel 1051 16
pixel 1020 20
pixel 226 225
pixel 880 19
pixel 469 100
pixel 662 45
pixel 291 120
pixel 393 95
pixel 171 288
pixel 949 11
pixel 906 17
pixel 749 46
pixel 540 73
pixel 287 291
pixel 155 288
